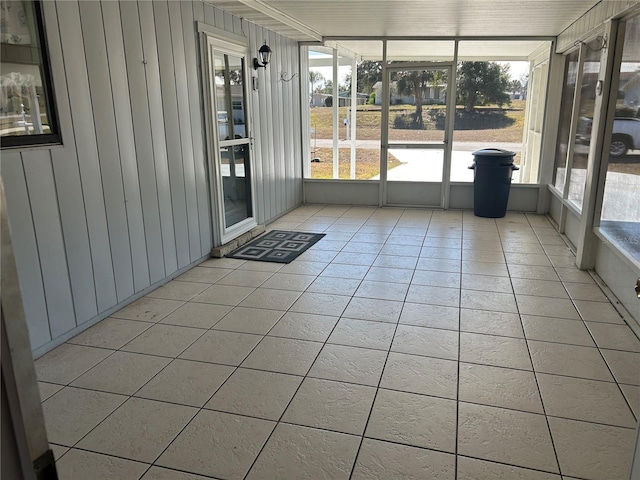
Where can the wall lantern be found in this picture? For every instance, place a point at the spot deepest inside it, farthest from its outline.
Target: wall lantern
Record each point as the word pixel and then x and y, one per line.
pixel 264 55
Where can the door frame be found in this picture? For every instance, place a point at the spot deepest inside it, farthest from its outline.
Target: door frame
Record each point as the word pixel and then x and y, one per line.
pixel 218 40
pixel 445 146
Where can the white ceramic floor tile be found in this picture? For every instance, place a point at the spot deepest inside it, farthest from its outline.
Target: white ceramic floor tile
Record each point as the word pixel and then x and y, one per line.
pixel 159 473
pixel 558 330
pixel 176 290
pixel 382 290
pixel 581 399
pixel 439 264
pixel 473 469
pixel 394 261
pixel 426 341
pixel 363 333
pixel 570 360
pixel 186 382
pixel 386 274
pixel 164 340
pixel 122 372
pixel 436 279
pixel 110 333
pixel 491 323
pixel 373 309
pixel 330 405
pixel 202 274
pixel 321 303
pixel 492 301
pixel 335 286
pixel 224 295
pixel 546 307
pixel 581 291
pixel 533 272
pixel 270 299
pixel 499 387
pixel 448 297
pixel 72 412
pixel 255 393
pixel 148 309
pixel 598 312
pixel 349 364
pixel 304 326
pixel 47 389
pixel 216 346
pixel 249 320
pixel 139 430
pixel 433 316
pixel 424 375
pixel 539 288
pixel 505 436
pixel 218 444
pixel 411 419
pixel 302 453
pixel 301 267
pixel 244 278
pixel 80 464
pixel 289 281
pixel 197 315
pixel 591 451
pixel 494 350
pixel 65 363
pixel 283 355
pixel 383 461
pixel 624 365
pixel 632 394
pixel 486 283
pixel 485 268
pixel 614 337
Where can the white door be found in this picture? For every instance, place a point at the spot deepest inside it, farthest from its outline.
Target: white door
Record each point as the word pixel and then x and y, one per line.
pixel 229 139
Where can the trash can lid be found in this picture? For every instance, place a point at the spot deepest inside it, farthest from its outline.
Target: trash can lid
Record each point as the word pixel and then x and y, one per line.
pixel 493 152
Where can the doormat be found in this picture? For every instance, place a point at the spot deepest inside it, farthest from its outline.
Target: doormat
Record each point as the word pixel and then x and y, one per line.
pixel 277 246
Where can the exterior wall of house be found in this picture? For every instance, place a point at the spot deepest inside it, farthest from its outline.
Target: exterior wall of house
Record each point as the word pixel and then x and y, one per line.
pixel 124 203
pixel 592 22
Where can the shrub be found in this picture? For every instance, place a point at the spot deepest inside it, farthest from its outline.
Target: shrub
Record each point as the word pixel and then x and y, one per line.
pixel 372 99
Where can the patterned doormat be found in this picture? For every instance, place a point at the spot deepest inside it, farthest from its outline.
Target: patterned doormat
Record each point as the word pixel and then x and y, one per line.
pixel 277 246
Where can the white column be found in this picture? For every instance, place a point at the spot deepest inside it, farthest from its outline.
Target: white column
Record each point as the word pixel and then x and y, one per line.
pixel 354 108
pixel 336 118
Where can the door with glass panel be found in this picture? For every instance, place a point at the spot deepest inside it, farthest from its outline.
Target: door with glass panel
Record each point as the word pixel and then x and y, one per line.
pixel 230 140
pixel 417 135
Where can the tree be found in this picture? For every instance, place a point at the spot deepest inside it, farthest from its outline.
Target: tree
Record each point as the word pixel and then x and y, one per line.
pixel 481 83
pixel 369 73
pixel 315 77
pixel 416 83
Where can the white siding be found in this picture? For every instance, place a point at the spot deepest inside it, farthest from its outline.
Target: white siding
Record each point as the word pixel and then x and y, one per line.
pixel 123 204
pixel 591 21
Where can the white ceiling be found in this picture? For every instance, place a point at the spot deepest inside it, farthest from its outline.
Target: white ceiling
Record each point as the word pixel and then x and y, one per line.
pixel 307 20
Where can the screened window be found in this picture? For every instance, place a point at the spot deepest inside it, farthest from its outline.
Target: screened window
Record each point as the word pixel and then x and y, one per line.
pixel 620 217
pixel 27 115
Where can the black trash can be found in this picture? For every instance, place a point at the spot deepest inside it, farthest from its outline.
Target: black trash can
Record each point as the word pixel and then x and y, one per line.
pixel 492 181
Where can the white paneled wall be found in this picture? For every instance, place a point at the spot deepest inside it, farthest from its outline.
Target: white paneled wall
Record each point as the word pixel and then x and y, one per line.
pixel 593 20
pixel 124 203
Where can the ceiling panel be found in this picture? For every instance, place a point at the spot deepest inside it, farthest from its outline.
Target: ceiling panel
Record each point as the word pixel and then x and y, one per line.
pixel 414 18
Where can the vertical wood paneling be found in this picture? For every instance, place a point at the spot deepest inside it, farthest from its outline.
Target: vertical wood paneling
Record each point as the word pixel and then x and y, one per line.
pixel 149 46
pixel 126 143
pixel 107 142
pixel 52 256
pixel 171 127
pixel 180 68
pixel 25 248
pixel 134 57
pixel 71 38
pixel 125 201
pixel 69 187
pixel 194 86
pixel 257 126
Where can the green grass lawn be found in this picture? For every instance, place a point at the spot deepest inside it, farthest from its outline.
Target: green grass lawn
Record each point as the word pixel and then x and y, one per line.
pixel 369 118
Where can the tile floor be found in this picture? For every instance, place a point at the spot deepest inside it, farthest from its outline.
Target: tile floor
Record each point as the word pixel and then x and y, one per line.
pixel 407 344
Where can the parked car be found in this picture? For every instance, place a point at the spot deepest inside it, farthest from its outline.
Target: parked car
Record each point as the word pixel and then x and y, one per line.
pixel 624 137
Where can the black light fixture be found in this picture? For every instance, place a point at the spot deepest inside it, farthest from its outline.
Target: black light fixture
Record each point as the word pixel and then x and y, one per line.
pixel 264 55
